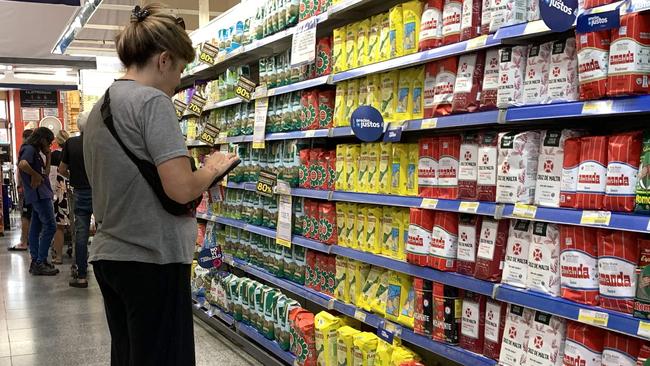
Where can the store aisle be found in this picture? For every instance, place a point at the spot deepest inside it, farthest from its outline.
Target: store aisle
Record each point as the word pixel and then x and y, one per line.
pixel 45 322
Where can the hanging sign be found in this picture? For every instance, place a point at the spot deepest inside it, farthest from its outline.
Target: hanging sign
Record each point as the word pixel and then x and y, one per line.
pixel 367 123
pixel 259 127
pixel 31 114
pixel 208 54
pixel 393 134
pixel 210 257
pixel 303 44
pixel 180 108
pixel 196 104
pixel 244 88
pixel 265 183
pixel 597 20
pixel 209 134
pixel 558 15
pixel 38 99
pixel 283 235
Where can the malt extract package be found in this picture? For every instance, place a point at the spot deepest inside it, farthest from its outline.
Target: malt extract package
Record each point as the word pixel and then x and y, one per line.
pixel 579 264
pixel 486 182
pixel 472 326
pixel 428 166
pixel 491 249
pixel 519 322
pixel 396 34
pixel 544 259
pixel 469 230
pixel 547 340
pixel 563 74
pixel 490 85
pixel 623 156
pixel 536 79
pixel 468 166
pixel 411 15
pixel 447 309
pixel 495 319
pixel 549 166
pixel 431 28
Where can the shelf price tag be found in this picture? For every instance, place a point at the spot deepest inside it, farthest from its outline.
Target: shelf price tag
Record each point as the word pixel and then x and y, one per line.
pixel 283 234
pixel 303 44
pixel 468 207
pixel 428 123
pixel 265 183
pixel 524 211
pixel 360 316
pixel 597 106
pixel 476 42
pixel 537 26
pixel 209 134
pixel 595 218
pixel 593 317
pixel 429 203
pixel 259 128
pixel 208 54
pixel 196 104
pixel 644 329
pixel 180 108
pixel 244 88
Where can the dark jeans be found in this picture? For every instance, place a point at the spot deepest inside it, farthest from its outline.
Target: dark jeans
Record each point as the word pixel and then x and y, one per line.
pixel 41 229
pixel 83 209
pixel 149 312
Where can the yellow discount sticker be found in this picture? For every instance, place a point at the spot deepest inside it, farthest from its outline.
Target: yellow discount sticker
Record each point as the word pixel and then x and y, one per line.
pixel 430 203
pixel 601 218
pixel 597 318
pixel 524 211
pixel 429 123
pixel 468 207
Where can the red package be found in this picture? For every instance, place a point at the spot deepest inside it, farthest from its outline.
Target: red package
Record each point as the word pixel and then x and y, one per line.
pixel 486 182
pixel 569 183
pixel 584 344
pixel 620 350
pixel 327 223
pixel 419 236
pixel 467 167
pixel 490 84
pixel 444 89
pixel 588 4
pixel 451 17
pixel 472 326
pixel 325 108
pixel 431 25
pixel 309 112
pixel 430 73
pixel 423 314
pixel 470 23
pixel 618 253
pixel 446 318
pixel 628 66
pixel 623 156
pixel 311 277
pixel 644 355
pixel 592 172
pixel 303 172
pixel 444 241
pixel 324 56
pixel 449 150
pixel 310 221
pixel 317 168
pixel 491 249
pixel 302 337
pixel 427 166
pixel 469 230
pixel 579 264
pixel 495 320
pixel 593 56
pixel 468 82
pixel 331 170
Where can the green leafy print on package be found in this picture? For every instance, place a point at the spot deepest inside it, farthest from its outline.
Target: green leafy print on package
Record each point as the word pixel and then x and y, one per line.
pixel 326 229
pixel 322 62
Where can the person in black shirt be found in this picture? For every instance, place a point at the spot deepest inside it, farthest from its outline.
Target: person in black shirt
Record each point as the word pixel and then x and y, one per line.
pixel 26 209
pixel 72 165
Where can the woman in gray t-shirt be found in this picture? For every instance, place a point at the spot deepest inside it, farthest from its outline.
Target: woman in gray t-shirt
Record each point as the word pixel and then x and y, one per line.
pixel 141 253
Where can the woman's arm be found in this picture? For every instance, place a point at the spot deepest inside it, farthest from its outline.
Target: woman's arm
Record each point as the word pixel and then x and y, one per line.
pixel 37 179
pixel 63 170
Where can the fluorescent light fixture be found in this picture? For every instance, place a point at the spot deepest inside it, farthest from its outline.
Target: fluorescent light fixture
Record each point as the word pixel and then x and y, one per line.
pixel 81 18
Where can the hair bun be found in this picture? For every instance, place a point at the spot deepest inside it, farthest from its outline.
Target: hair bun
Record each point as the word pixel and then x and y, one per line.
pixel 140 14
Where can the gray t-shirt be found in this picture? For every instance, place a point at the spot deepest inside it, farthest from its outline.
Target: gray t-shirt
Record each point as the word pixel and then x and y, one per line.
pixel 133 224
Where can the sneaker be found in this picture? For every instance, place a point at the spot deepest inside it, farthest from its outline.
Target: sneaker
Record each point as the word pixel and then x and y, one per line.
pixel 31 267
pixel 51 266
pixel 42 269
pixel 78 283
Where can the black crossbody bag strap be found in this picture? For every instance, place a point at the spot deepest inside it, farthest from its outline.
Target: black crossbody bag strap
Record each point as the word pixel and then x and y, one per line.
pixel 149 170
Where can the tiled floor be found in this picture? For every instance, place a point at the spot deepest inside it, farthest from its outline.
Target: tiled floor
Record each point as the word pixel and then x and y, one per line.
pixel 45 322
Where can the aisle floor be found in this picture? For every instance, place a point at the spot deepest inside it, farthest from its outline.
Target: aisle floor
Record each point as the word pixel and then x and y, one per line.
pixel 43 321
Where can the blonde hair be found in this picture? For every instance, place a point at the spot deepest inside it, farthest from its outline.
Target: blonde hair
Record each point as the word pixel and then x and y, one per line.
pixel 61 137
pixel 152 30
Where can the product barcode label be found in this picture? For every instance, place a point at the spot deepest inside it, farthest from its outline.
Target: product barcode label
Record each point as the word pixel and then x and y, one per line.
pixel 595 218
pixel 593 317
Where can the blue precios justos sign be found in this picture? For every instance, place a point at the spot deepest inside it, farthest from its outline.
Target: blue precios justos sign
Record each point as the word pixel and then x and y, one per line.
pixel 367 123
pixel 559 15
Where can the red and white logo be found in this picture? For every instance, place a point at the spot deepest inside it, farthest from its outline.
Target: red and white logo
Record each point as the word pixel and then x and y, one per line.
pixel 538 342
pixel 490 315
pixel 463 68
pixel 531 73
pixel 548 166
pixel 487 233
pixel 468 312
pixel 504 79
pixel 463 236
pixel 494 62
pixel 556 71
pixel 505 167
pixel 516 249
pixel 537 254
pixel 486 159
pixel 468 155
pixel 512 333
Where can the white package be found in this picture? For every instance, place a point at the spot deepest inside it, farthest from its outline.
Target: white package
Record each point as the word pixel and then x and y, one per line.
pixel 544 259
pixel 515 269
pixel 517 166
pixel 563 71
pixel 549 166
pixel 536 79
pixel 512 66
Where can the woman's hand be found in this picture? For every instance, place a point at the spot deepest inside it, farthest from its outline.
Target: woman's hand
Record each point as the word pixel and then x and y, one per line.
pixel 218 162
pixel 37 180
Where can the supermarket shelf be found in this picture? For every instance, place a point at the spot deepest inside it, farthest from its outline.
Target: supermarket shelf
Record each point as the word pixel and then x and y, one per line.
pixel 619 322
pixel 195 143
pixel 297 135
pixel 306 84
pixel 452 353
pixel 268 345
pixel 617 221
pixel 522 30
pixel 223 103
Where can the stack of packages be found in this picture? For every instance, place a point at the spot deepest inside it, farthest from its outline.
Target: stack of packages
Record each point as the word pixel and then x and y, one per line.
pixel 317 168
pixel 281 158
pixel 320 274
pixel 319 221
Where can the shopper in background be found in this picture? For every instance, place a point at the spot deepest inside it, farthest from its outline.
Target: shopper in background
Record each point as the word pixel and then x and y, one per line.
pixel 25 209
pixel 60 186
pixel 34 171
pixel 141 253
pixel 72 165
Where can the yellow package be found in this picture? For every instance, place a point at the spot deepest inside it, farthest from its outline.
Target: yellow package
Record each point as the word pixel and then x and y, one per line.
pixel 384 37
pixel 378 303
pixel 325 326
pixel 338 50
pixel 356 276
pixel 363 91
pixel 417 77
pixel 345 345
pixel 351 280
pixel 396 31
pixel 340 105
pixel 403 216
pixel 399 285
pixel 360 227
pixel 402 354
pixel 373 84
pixel 363 30
pixel 350 226
pixel 374 150
pixel 389 230
pixel 369 289
pixel 342 291
pixel 388 95
pixel 373 229
pixel 385 167
pixel 365 349
pixel 404 96
pixel 411 15
pixel 351 99
pixel 399 169
pixel 341 178
pixel 351 46
pixel 408 304
pixel 363 168
pixel 412 170
pixel 352 167
pixel 341 210
pixel 384 353
pixel 373 39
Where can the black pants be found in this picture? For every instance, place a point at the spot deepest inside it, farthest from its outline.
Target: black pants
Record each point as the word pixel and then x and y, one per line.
pixel 149 312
